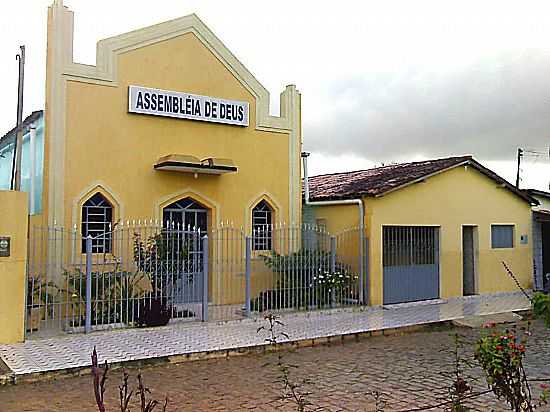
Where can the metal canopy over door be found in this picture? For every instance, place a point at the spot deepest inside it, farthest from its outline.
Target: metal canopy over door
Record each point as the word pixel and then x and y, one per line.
pixel 410 263
pixel 189 217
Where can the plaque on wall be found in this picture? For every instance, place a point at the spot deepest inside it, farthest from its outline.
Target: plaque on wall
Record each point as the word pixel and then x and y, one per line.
pixel 4 246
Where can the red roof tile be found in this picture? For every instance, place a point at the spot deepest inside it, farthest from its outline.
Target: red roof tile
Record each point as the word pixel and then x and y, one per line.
pixel 381 180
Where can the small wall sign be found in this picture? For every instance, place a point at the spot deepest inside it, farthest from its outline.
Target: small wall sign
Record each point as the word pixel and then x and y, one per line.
pixel 167 103
pixel 524 239
pixel 4 246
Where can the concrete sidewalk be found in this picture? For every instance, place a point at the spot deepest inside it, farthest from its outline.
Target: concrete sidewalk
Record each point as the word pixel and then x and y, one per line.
pixel 196 340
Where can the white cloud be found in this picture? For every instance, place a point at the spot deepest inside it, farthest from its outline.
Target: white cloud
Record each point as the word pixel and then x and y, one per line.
pixel 381 81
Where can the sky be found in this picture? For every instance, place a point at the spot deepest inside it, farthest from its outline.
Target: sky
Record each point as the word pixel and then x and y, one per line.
pixel 381 81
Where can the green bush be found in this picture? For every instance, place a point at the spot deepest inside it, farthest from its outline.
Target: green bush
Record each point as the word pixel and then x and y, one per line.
pixel 541 307
pixel 116 296
pixel 500 355
pixel 304 279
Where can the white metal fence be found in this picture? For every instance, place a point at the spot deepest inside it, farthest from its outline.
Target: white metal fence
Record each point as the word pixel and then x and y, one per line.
pixel 149 273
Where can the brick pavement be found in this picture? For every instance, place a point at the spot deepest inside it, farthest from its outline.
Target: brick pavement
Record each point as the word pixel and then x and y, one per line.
pixel 408 369
pixel 136 344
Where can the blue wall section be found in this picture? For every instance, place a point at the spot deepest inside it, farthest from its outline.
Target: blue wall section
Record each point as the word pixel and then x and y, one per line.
pixel 6 155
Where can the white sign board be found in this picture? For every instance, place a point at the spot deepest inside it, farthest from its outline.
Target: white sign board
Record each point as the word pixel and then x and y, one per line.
pixel 158 102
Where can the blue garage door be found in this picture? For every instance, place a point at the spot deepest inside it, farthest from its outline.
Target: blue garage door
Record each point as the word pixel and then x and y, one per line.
pixel 410 263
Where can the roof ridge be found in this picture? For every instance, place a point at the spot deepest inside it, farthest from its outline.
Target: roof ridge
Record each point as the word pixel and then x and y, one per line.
pixel 386 179
pixel 464 157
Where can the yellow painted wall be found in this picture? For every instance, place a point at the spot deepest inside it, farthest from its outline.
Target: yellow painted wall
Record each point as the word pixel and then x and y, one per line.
pixel 105 144
pixel 342 223
pixel 13 223
pixel 461 196
pixel 338 217
pixel 108 150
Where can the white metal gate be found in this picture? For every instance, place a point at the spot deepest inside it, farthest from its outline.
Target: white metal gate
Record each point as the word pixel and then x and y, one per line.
pixel 146 274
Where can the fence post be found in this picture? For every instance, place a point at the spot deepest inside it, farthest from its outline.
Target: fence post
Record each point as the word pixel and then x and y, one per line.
pixel 205 278
pixel 248 254
pixel 332 268
pixel 88 322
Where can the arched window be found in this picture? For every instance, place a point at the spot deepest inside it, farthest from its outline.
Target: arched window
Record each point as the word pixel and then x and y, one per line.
pixel 97 218
pixel 262 220
pixel 182 219
pixel 186 213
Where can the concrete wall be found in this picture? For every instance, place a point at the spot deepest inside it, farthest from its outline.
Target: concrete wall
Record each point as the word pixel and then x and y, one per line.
pixel 13 224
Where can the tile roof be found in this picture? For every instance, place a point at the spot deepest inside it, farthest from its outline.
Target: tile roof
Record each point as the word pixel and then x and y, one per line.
pixel 536 192
pixel 382 180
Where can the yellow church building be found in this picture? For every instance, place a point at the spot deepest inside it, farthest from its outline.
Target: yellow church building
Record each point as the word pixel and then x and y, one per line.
pixel 169 138
pixel 168 124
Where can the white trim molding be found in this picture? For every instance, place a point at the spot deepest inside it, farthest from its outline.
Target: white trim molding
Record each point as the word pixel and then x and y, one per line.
pixel 212 205
pixel 273 203
pixel 62 68
pixel 96 187
pixel 105 71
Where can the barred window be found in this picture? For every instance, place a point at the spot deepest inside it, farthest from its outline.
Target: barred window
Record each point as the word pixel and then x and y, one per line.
pixel 262 219
pixel 97 218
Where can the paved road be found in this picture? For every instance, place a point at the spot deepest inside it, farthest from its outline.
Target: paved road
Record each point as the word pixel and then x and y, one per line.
pixel 409 370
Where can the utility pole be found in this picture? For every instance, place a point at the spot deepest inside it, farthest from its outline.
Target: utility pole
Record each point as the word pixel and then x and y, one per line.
pixel 16 162
pixel 520 155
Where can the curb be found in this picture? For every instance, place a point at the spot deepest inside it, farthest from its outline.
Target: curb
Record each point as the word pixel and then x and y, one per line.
pixel 12 379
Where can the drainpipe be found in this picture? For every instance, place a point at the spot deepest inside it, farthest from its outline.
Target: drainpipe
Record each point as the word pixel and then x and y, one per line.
pixel 361 208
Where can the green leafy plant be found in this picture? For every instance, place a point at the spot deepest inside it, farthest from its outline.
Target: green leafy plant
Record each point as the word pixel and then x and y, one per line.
pixel 500 355
pixel 293 390
pixel 541 307
pixel 42 297
pixel 115 295
pixel 460 389
pixel 164 256
pixel 540 300
pixel 40 292
pixel 305 279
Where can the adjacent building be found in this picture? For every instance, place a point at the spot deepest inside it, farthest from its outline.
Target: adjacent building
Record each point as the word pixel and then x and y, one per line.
pixel 541 239
pixel 435 229
pixel 32 159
